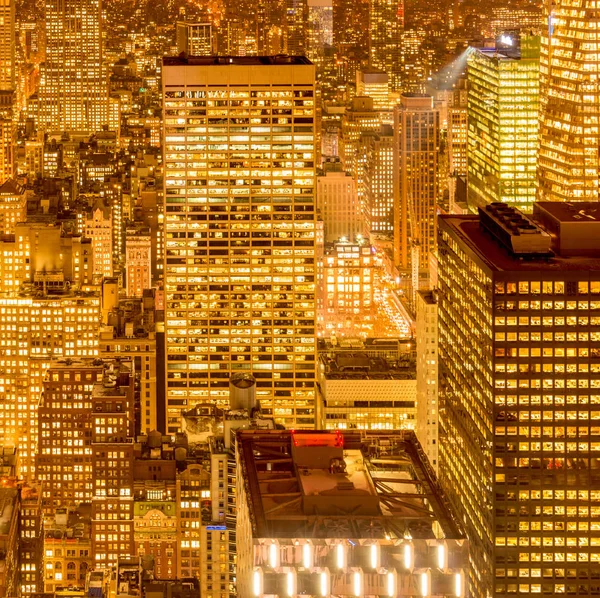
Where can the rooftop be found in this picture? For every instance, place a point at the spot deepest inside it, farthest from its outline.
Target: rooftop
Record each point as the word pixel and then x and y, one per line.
pixel 277 60
pixel 581 211
pixel 359 365
pixel 498 259
pixel 328 484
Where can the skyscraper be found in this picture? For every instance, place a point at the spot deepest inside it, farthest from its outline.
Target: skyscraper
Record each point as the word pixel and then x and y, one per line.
pixel 195 38
pixel 519 353
pixel 74 86
pixel 503 98
pixel 296 23
pixel 319 30
pixel 416 148
pixel 240 232
pixel 7 44
pixel 569 166
pixel 386 21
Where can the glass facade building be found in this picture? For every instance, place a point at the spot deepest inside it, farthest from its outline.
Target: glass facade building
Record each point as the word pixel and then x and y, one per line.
pixel 569 166
pixel 240 232
pixel 519 450
pixel 503 104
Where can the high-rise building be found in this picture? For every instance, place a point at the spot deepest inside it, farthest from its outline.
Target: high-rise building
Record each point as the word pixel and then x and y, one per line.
pixel 319 30
pixel 8 40
pixel 503 116
pixel 519 332
pixel 64 456
pixel 569 158
pixel 296 26
pixel 195 38
pixel 427 375
pixel 337 200
pixel 376 180
pixel 386 22
pixel 7 135
pixel 345 528
pixel 416 149
pixel 458 130
pixel 374 84
pixel 240 232
pixel 359 118
pixel 112 435
pixel 74 85
pixel 99 228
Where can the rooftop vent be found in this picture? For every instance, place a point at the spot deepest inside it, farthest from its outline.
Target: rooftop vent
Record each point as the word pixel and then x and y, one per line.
pixel 514 231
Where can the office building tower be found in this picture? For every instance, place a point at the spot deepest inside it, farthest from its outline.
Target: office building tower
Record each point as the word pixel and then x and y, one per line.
pixel 427 375
pixel 194 39
pixel 416 149
pixel 8 41
pixel 569 164
pixel 374 84
pixel 503 113
pixel 359 118
pixel 7 135
pixel 74 85
pixel 457 128
pixel 337 201
pixel 296 27
pixel 240 232
pixel 270 16
pixel 319 30
pixel 376 180
pixel 519 325
pixel 344 529
pixel 129 332
pixel 386 23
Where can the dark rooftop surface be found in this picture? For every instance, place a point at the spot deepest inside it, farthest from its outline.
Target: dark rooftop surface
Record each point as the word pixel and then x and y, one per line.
pixel 277 60
pixel 498 259
pixel 583 211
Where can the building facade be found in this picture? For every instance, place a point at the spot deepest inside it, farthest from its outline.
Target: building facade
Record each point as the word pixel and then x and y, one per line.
pixel 519 332
pixel 503 116
pixel 74 85
pixel 569 167
pixel 416 149
pixel 427 375
pixel 240 232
